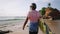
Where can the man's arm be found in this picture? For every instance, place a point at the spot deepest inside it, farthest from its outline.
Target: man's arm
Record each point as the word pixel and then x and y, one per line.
pixel 25 23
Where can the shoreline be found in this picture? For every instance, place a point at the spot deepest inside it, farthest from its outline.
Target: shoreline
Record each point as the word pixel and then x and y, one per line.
pixel 17 28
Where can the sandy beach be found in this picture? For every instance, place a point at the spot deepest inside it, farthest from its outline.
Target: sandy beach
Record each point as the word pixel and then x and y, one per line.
pixel 17 28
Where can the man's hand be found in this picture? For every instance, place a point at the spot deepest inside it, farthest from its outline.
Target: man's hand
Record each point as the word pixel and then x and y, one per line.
pixel 23 27
pixel 25 23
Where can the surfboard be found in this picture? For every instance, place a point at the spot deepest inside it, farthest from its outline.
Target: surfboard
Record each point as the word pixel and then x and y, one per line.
pixel 44 27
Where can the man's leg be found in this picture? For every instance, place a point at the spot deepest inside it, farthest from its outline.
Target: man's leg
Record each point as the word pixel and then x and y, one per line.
pixel 33 32
pixel 30 32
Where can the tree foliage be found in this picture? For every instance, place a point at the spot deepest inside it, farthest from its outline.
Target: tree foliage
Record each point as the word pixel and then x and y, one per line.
pixel 42 11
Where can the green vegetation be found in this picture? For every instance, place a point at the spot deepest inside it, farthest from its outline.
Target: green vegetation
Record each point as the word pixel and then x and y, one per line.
pixel 55 13
pixel 42 11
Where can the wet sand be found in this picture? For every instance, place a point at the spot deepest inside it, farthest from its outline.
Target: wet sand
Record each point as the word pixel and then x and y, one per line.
pixel 17 29
pixel 54 25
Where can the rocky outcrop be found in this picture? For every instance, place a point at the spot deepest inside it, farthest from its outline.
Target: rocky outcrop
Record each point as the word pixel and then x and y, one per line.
pixel 4 32
pixel 55 14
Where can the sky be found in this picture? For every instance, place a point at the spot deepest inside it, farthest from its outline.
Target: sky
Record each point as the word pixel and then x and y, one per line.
pixel 21 7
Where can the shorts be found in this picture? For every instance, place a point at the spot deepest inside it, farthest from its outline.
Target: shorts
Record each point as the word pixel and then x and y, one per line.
pixel 33 29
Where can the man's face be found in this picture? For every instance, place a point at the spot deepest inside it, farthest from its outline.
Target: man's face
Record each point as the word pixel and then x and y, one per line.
pixel 30 7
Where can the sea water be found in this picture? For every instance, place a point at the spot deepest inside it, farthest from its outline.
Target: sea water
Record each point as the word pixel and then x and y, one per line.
pixel 5 21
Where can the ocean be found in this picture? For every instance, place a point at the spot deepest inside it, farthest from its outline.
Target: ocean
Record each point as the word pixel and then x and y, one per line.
pixel 6 21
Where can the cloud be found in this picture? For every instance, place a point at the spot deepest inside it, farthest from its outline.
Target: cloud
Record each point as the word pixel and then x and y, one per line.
pixel 42 1
pixel 45 0
pixel 35 1
pixel 18 7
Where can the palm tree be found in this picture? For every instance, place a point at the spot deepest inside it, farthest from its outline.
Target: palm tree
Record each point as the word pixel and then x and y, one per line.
pixel 49 4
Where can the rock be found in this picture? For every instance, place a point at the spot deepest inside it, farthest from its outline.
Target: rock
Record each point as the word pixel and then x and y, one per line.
pixel 4 32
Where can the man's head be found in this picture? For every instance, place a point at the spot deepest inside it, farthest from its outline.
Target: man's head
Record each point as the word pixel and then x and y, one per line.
pixel 33 6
